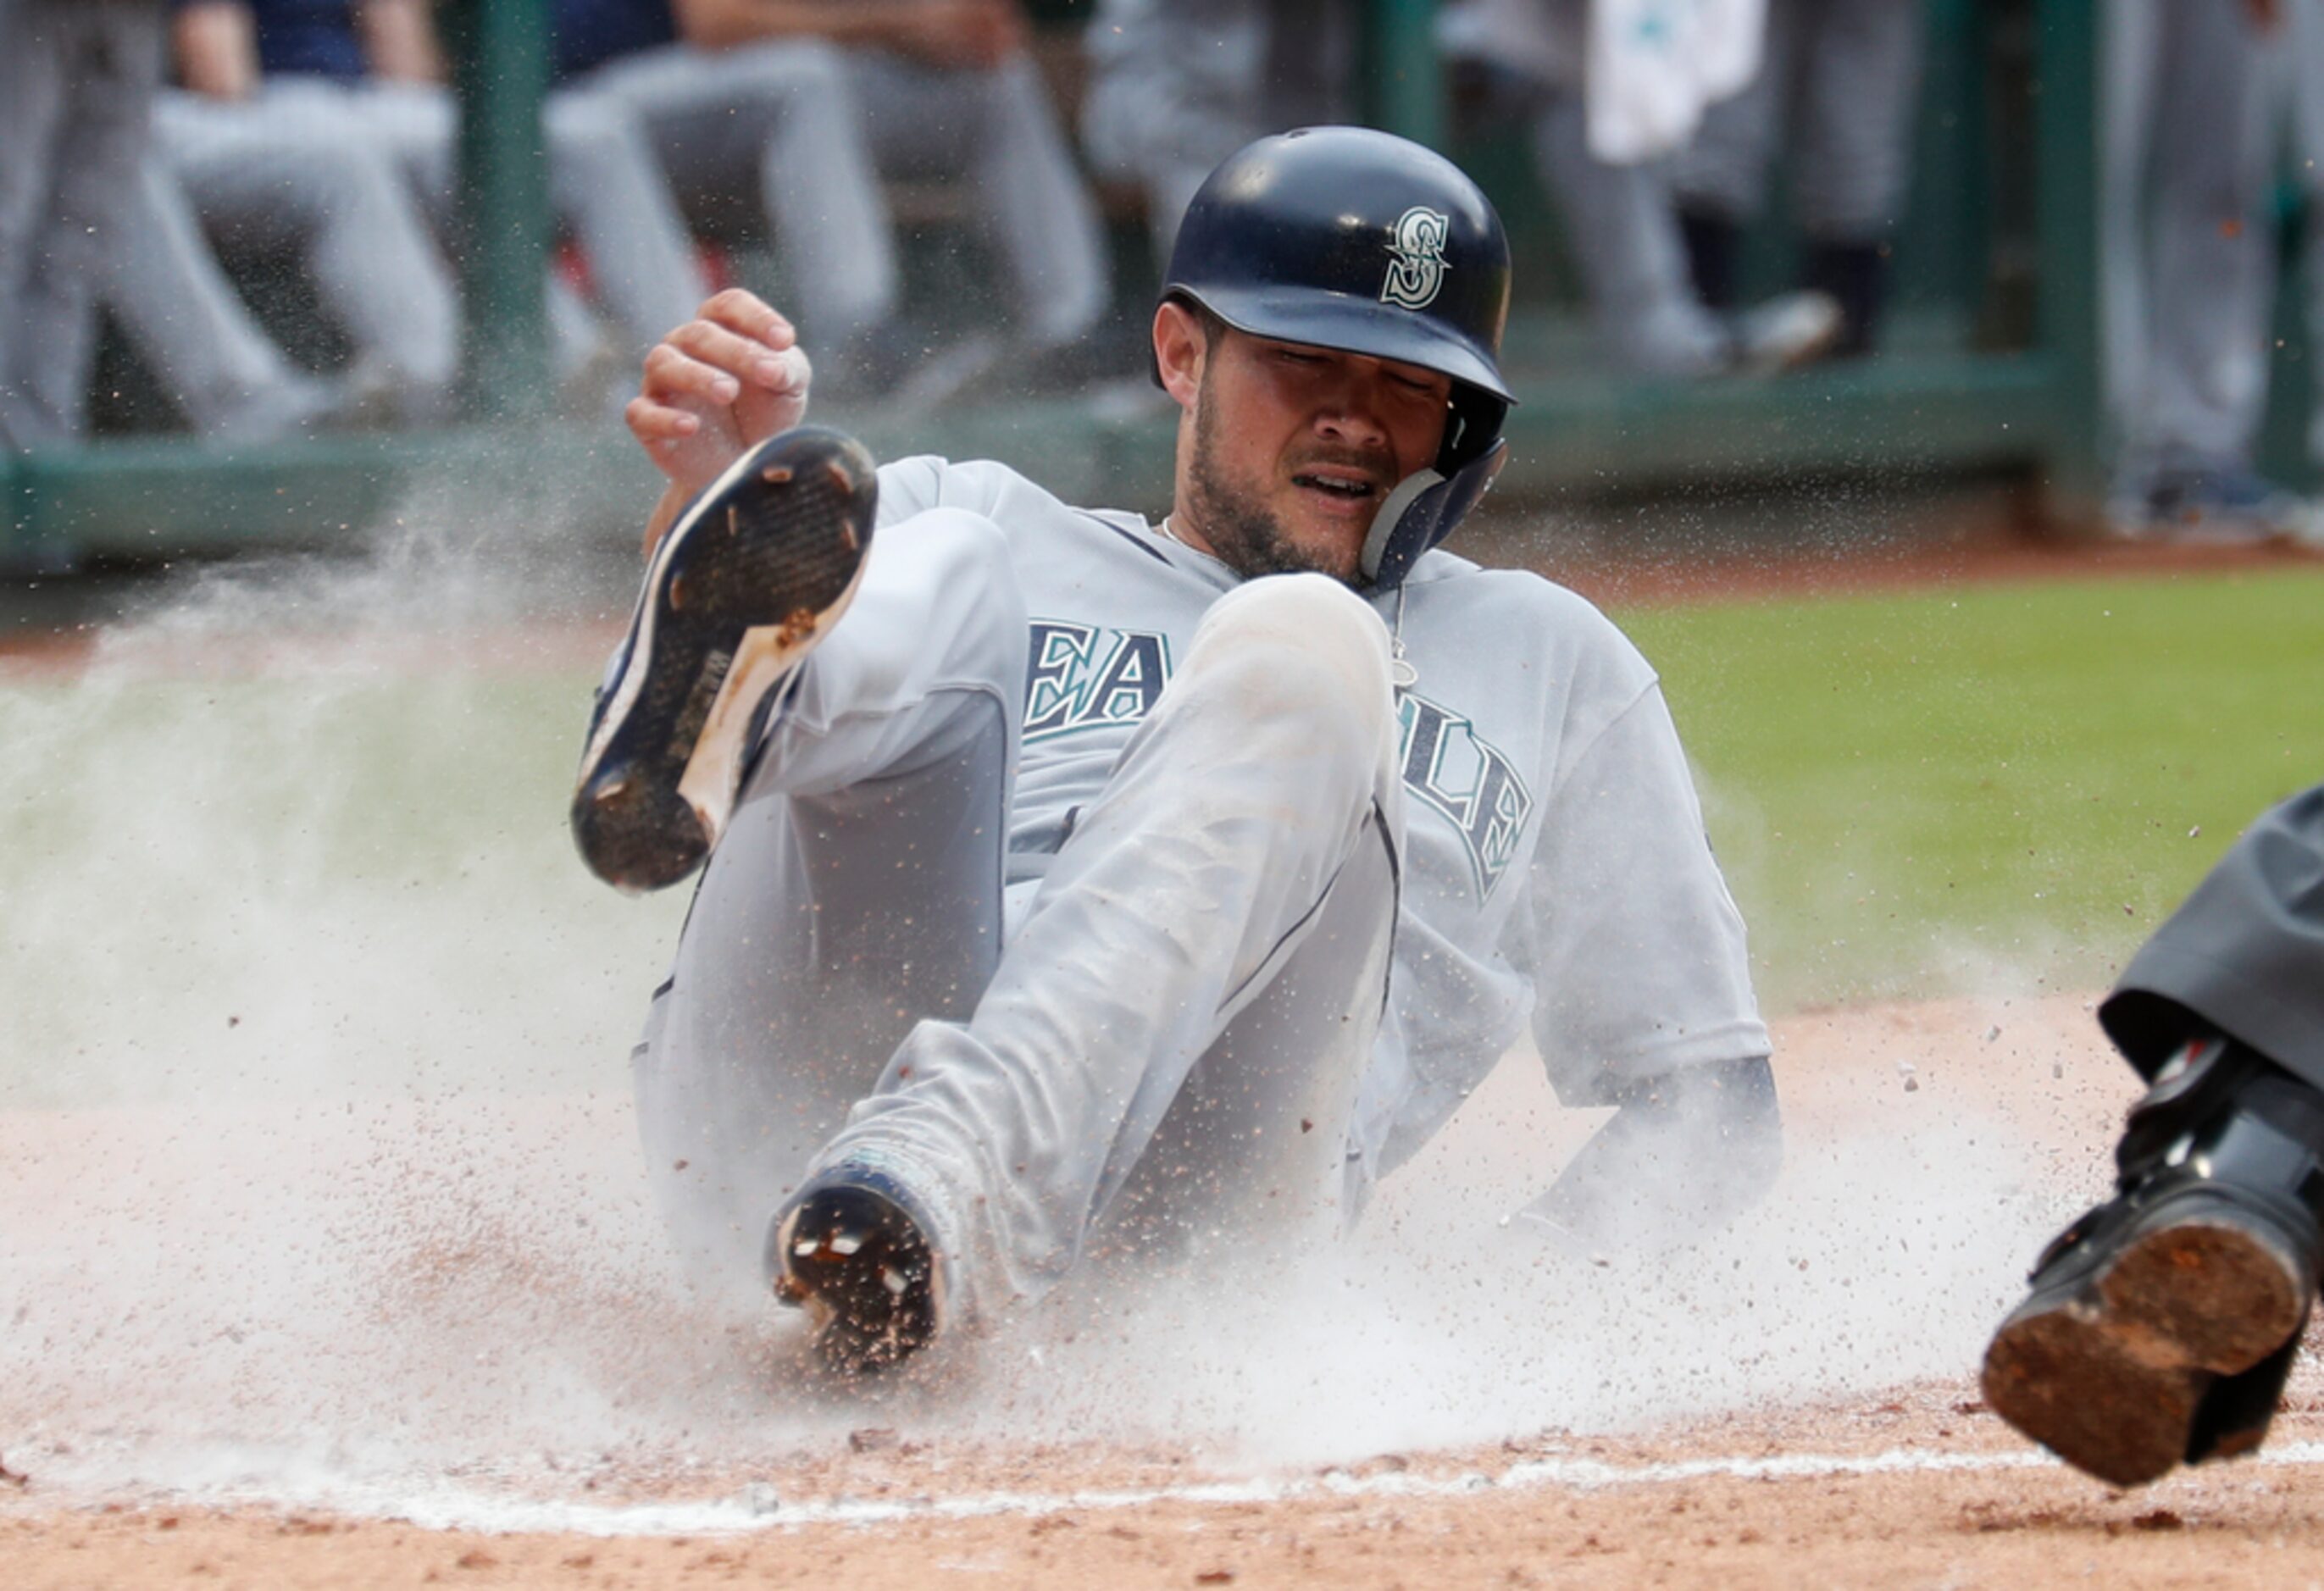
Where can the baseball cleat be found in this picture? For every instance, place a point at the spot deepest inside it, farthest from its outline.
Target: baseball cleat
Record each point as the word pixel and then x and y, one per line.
pixel 2110 1362
pixel 851 1253
pixel 750 576
pixel 2161 1326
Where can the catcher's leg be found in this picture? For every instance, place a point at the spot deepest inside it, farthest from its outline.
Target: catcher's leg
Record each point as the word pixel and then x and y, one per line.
pixel 2161 1326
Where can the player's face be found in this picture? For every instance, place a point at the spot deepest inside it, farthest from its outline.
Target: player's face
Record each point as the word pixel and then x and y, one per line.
pixel 1294 448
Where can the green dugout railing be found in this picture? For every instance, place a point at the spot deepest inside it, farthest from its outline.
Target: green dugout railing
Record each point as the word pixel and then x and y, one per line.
pixel 1992 369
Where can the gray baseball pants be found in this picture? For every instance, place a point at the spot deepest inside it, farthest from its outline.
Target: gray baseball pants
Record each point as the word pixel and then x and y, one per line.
pixel 1623 229
pixel 774 126
pixel 76 82
pixel 2186 262
pixel 604 185
pixel 997 131
pixel 292 172
pixel 1837 93
pixel 1177 86
pixel 1133 1040
pixel 164 286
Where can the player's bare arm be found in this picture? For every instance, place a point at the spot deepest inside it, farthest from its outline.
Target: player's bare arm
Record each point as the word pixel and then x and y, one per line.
pixel 714 387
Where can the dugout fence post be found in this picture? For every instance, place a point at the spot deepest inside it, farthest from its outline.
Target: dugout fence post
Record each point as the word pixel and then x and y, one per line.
pixel 1404 85
pixel 2066 306
pixel 500 59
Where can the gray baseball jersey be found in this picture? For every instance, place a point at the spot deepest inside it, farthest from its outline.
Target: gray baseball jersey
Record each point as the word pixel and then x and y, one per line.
pixel 1555 863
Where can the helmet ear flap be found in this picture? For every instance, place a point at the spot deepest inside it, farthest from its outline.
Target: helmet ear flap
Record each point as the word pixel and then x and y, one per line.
pixel 1472 428
pixel 1422 510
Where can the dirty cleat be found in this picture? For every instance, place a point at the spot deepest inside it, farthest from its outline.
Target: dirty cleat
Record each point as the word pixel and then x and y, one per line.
pixel 2161 1326
pixel 852 1253
pixel 753 574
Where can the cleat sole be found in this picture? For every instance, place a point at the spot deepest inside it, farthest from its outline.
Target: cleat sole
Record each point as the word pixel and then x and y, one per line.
pixel 2110 1376
pixel 740 590
pixel 864 1275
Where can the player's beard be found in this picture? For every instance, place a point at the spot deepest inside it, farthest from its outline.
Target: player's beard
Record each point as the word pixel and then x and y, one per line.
pixel 1241 533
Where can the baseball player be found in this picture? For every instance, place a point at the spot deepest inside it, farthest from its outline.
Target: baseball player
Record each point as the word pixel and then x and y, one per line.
pixel 1080 881
pixel 1840 86
pixel 2161 1325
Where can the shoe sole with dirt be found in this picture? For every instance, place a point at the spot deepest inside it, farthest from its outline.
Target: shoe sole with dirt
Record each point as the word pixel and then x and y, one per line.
pixel 2108 1374
pixel 862 1268
pixel 739 590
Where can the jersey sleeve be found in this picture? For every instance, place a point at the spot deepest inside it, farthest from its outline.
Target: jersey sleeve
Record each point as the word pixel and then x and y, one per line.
pixel 911 486
pixel 1634 948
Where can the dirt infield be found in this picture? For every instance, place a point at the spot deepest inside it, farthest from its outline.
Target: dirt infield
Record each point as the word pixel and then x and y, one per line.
pixel 1954 1132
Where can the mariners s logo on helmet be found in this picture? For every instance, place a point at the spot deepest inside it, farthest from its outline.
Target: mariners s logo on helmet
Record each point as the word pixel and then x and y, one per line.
pixel 1417 265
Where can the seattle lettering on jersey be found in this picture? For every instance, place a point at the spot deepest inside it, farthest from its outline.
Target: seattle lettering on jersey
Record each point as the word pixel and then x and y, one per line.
pixel 1084 676
pixel 1450 766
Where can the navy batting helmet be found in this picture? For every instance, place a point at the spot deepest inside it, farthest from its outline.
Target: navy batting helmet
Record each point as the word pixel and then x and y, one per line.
pixel 1348 238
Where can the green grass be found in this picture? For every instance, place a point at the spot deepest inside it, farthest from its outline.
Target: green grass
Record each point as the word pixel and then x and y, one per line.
pixel 1988 784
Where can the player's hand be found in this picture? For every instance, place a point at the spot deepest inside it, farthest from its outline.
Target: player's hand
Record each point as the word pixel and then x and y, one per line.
pixel 716 387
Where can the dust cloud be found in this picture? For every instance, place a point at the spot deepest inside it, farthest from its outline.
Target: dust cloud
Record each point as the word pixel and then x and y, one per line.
pixel 318 1173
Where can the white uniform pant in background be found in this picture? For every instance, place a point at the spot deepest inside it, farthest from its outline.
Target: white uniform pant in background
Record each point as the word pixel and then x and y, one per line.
pixel 212 358
pixel 1177 86
pixel 1175 1031
pixel 77 83
pixel 1625 236
pixel 295 171
pixel 771 130
pixel 997 131
pixel 2186 241
pixel 1837 94
pixel 605 186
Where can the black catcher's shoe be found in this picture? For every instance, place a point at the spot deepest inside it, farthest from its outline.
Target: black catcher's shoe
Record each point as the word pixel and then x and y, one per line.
pixel 2161 1325
pixel 852 1254
pixel 751 574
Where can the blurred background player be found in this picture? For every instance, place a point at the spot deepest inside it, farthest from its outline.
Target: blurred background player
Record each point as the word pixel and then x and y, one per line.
pixel 276 172
pixel 2161 1325
pixel 1177 86
pixel 756 132
pixel 1836 95
pixel 290 87
pixel 2302 80
pixel 1531 63
pixel 607 188
pixel 943 90
pixel 2187 263
pixel 227 378
pixel 77 84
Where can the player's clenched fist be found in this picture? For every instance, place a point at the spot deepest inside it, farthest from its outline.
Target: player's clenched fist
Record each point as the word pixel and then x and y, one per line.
pixel 726 381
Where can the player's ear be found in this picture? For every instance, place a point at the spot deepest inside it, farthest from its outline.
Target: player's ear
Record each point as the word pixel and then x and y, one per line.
pixel 1178 351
